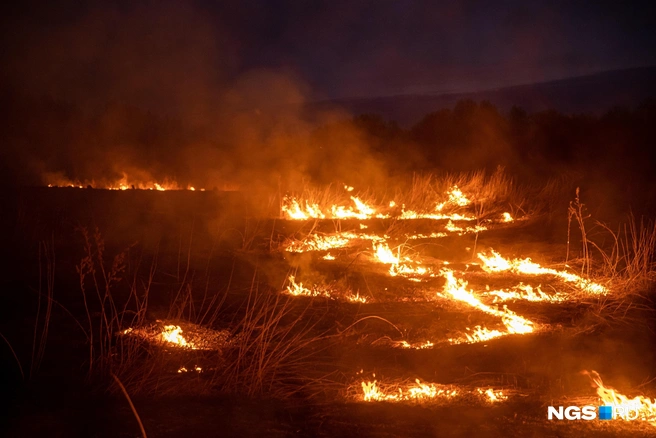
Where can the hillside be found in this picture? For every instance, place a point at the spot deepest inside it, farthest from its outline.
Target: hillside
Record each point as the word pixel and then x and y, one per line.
pixel 591 93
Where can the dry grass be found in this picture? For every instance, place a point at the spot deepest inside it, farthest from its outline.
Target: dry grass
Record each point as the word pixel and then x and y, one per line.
pixel 489 193
pixel 629 260
pixel 268 352
pixel 628 263
pixel 44 310
pixel 275 343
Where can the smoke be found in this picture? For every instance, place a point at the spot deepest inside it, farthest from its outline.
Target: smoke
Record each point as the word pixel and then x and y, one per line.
pixel 155 92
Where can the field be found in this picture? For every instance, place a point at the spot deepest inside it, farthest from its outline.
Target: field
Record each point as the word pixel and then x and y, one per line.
pixel 462 305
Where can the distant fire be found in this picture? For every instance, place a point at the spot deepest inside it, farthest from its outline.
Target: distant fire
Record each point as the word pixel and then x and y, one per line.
pixel 124 183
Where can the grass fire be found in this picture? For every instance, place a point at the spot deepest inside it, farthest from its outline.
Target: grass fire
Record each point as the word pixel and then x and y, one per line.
pixel 359 220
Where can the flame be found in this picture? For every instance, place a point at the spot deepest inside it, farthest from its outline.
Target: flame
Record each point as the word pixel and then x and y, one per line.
pixel 384 254
pixel 425 236
pixel 456 198
pixel 416 346
pixel 645 406
pixel 320 242
pixel 417 391
pixel 297 289
pixel 422 392
pixel 515 324
pixel 496 263
pixel 124 183
pixel 329 257
pixel 453 228
pixel 527 293
pixel 356 298
pixel 296 209
pixel 507 217
pixel 479 334
pixel 411 214
pixel 492 395
pixel 172 335
pixel 185 370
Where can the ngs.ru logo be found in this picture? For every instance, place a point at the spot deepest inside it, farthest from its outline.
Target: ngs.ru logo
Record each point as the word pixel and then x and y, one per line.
pixel 608 412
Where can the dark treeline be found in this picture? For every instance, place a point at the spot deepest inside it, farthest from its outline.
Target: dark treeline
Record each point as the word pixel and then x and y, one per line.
pixel 614 150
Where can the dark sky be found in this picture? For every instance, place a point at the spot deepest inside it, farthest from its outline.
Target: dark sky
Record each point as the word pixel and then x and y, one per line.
pixel 328 49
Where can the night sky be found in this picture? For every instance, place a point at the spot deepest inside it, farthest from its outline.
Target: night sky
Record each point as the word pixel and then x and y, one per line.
pixel 135 50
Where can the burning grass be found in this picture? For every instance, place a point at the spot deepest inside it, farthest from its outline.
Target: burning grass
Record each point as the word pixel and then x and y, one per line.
pixel 298 290
pixel 171 334
pixel 139 182
pixel 418 392
pixel 464 197
pixel 644 407
pixel 515 324
pixel 496 263
pixel 424 279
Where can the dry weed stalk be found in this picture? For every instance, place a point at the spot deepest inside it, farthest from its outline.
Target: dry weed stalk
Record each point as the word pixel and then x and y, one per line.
pixel 576 210
pixel 47 270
